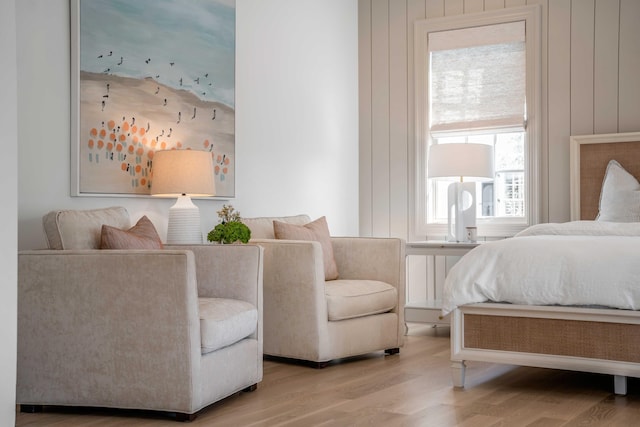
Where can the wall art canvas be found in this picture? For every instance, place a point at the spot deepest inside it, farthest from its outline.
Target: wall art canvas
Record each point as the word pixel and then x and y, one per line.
pixel 150 75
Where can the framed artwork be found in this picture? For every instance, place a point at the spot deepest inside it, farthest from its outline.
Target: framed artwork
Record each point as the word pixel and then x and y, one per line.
pixel 150 75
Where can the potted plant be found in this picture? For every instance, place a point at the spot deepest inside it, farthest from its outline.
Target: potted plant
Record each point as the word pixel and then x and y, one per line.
pixel 231 229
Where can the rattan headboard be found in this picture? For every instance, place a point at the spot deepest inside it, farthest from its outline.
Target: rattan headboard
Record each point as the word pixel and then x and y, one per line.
pixel 590 155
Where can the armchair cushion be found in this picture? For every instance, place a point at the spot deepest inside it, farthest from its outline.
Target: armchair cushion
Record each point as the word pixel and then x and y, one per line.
pixel 80 229
pixel 262 227
pixel 317 230
pixel 347 299
pixel 143 235
pixel 224 322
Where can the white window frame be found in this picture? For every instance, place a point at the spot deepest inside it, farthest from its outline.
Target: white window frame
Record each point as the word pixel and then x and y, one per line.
pixel 494 227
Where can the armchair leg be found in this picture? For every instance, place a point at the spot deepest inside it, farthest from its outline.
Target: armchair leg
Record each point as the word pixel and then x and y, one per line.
pixel 392 351
pixel 31 409
pixel 252 387
pixel 185 418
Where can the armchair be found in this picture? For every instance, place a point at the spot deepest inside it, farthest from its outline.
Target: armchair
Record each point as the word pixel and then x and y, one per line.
pixel 170 330
pixel 313 320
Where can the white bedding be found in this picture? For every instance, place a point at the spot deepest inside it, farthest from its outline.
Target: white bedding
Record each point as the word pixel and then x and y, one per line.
pixel 574 263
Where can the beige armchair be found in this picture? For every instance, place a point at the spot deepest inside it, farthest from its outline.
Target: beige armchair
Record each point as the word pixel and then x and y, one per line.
pixel 170 330
pixel 310 319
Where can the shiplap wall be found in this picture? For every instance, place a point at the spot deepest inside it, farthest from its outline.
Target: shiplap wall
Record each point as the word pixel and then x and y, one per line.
pixel 590 84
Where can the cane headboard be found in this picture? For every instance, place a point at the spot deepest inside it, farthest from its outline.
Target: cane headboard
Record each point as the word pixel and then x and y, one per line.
pixel 590 155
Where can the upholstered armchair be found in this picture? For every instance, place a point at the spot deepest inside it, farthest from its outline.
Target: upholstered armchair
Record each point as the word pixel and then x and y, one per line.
pixel 170 330
pixel 315 320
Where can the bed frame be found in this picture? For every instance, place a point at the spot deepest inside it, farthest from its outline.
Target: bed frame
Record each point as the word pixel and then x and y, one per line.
pixel 580 339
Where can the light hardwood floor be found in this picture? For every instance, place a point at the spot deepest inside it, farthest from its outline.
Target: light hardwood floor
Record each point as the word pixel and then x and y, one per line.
pixel 409 389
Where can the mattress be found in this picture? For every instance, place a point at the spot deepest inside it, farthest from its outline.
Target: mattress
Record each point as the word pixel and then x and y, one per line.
pixel 579 263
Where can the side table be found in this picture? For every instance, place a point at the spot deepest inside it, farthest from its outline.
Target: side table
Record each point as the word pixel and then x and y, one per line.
pixel 429 311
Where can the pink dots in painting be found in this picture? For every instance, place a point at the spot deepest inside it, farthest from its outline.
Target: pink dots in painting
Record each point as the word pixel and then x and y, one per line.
pixel 123 137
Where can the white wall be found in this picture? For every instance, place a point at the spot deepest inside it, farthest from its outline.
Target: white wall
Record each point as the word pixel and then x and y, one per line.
pixel 296 116
pixel 8 235
pixel 590 84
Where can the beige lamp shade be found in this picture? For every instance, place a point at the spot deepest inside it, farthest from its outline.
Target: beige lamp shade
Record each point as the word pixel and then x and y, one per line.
pixel 473 162
pixel 177 172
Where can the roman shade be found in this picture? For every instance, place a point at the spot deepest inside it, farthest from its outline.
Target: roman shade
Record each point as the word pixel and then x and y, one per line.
pixel 477 78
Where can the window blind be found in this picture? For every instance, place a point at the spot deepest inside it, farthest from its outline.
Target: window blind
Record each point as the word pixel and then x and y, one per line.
pixel 477 78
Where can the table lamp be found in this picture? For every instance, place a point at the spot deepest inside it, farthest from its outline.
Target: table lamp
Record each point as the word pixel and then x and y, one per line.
pixel 466 164
pixel 182 174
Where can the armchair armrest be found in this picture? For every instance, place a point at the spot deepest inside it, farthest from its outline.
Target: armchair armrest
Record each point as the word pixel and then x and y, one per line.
pixel 107 328
pixel 294 282
pixel 374 258
pixel 228 271
pixel 370 258
pixel 294 267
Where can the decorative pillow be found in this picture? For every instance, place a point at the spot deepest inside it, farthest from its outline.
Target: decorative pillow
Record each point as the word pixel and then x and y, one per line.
pixel 143 235
pixel 620 195
pixel 317 230
pixel 262 227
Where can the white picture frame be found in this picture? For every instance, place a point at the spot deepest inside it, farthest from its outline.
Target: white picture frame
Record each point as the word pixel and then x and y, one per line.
pixel 148 75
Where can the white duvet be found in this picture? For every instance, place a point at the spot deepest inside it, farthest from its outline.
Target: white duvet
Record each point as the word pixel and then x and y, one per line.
pixel 574 263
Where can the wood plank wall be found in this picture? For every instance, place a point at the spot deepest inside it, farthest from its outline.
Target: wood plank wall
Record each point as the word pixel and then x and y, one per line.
pixel 590 84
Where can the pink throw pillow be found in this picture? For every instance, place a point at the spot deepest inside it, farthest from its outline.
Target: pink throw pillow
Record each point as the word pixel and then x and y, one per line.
pixel 143 235
pixel 317 230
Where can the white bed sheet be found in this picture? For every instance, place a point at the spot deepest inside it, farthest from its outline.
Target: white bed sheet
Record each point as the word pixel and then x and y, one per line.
pixel 574 263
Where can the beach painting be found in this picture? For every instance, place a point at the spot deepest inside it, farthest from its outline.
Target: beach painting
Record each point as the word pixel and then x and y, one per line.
pixel 150 75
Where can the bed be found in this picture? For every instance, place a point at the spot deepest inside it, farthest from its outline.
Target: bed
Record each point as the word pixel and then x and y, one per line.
pixel 600 334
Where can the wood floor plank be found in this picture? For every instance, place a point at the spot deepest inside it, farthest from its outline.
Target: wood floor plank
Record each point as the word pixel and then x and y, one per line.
pixel 546 422
pixel 412 388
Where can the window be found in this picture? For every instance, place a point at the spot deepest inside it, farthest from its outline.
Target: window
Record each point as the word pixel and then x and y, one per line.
pixel 477 82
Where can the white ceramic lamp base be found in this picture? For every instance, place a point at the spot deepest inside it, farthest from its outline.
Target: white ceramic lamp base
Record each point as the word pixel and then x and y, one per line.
pixel 184 223
pixel 461 212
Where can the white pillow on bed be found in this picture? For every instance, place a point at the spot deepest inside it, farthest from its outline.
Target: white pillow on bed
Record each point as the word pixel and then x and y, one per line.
pixel 620 195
